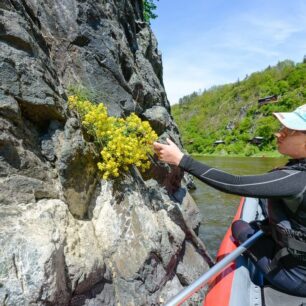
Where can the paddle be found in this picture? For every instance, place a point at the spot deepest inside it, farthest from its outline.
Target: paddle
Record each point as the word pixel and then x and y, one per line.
pixel 201 281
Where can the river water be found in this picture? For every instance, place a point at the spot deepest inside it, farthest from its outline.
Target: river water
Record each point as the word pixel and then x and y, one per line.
pixel 217 208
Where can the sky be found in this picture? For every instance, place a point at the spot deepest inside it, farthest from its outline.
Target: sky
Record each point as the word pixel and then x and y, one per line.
pixel 212 42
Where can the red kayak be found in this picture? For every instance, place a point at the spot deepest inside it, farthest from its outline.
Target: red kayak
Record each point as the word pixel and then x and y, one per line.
pixel 240 283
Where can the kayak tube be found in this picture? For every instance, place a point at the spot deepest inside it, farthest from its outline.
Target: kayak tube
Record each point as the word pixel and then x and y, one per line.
pixel 240 283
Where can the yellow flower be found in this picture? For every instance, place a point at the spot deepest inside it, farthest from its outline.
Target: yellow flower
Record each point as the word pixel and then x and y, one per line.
pixel 125 141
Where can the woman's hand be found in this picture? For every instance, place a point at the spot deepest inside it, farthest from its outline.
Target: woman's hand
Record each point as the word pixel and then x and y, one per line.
pixel 169 153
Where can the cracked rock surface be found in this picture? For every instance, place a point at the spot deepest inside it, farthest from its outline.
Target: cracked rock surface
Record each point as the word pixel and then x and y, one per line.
pixel 68 237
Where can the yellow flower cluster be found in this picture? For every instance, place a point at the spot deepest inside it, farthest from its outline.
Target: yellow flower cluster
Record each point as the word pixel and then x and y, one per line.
pixel 122 142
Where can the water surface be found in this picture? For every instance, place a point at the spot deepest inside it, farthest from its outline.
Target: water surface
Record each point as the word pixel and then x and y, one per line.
pixel 217 208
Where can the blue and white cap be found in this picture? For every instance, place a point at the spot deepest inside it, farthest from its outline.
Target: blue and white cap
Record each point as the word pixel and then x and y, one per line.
pixel 295 120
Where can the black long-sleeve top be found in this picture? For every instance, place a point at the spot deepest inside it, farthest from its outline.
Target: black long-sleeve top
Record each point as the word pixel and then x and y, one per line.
pixel 279 183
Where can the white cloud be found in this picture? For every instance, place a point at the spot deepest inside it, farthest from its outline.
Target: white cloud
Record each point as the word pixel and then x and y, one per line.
pixel 243 43
pixel 181 80
pixel 276 29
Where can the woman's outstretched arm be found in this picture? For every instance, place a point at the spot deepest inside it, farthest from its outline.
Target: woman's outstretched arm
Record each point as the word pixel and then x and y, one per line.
pixel 279 183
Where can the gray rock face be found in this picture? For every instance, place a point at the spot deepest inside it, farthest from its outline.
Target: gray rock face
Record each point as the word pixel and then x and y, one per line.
pixel 68 237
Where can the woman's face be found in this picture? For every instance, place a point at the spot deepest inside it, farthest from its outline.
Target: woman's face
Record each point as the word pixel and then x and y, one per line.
pixel 291 143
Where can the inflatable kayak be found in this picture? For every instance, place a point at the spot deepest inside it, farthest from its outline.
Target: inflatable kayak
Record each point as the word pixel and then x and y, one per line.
pixel 240 283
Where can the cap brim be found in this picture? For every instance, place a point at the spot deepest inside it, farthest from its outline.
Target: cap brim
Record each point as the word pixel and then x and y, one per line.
pixel 291 121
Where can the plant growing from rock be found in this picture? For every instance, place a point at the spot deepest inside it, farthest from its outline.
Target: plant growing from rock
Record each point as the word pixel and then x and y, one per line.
pixel 122 141
pixel 148 10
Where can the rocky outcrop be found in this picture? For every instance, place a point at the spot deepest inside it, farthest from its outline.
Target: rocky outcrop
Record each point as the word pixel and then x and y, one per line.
pixel 68 237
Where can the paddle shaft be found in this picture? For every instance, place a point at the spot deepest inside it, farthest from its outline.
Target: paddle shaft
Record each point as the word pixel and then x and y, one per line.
pixel 200 282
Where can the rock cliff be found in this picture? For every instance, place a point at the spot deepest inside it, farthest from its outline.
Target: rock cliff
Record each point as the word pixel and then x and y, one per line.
pixel 68 237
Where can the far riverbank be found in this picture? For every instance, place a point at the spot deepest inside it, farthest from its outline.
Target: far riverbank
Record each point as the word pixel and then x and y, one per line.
pixel 272 154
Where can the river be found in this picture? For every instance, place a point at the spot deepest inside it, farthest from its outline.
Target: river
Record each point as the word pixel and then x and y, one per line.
pixel 217 208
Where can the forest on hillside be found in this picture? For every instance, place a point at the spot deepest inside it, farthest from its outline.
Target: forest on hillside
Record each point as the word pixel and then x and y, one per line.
pixel 229 120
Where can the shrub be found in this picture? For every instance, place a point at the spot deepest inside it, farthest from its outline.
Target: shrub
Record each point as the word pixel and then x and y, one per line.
pixel 250 150
pixel 148 10
pixel 122 142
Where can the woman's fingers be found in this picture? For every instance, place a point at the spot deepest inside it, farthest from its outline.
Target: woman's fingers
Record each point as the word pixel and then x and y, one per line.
pixel 169 141
pixel 157 146
pixel 168 153
pixel 158 149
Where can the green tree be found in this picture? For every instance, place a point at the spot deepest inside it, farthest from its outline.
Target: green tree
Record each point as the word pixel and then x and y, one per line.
pixel 231 112
pixel 149 7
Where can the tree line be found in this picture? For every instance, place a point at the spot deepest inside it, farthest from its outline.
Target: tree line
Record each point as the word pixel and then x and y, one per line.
pixel 228 119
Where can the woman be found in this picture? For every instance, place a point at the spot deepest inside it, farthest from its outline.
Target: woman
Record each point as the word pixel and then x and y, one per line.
pixel 281 255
